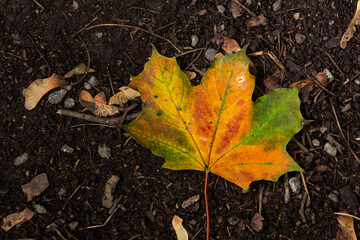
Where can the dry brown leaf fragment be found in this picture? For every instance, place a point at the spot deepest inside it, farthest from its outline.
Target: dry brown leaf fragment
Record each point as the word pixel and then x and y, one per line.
pixel 78 70
pixel 347 228
pixel 191 75
pixel 349 33
pixel 218 56
pixel 322 78
pixel 123 96
pixel 305 85
pixel 190 201
pixel 256 222
pixel 107 198
pixel 38 88
pixel 36 186
pixel 97 105
pixel 230 45
pixel 257 21
pixel 271 83
pixel 16 218
pixel 181 233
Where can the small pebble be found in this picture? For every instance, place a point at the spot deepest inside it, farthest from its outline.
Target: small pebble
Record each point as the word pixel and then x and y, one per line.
pixel 99 35
pixel 222 27
pixel 300 38
pixel 93 81
pixel 75 5
pixel 57 96
pixel 40 209
pixel 248 2
pixel 73 225
pixel 30 70
pixel 316 142
pixel 330 149
pixel 295 185
pixel 69 103
pixel 221 9
pixel 104 151
pixel 202 12
pixel 118 62
pixel 193 222
pixel 23 92
pixel 296 16
pixel 87 86
pixel 21 159
pixel 194 40
pixel 277 5
pixel 67 149
pixel 210 54
pixel 234 220
pixel 333 197
pixel 323 129
pixel 331 22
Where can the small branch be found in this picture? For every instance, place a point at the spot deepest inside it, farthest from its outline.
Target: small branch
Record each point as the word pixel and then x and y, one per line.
pixel 134 27
pixel 347 215
pixel 41 55
pixel 261 195
pixel 247 9
pixel 302 208
pixel 91 118
pixel 207 206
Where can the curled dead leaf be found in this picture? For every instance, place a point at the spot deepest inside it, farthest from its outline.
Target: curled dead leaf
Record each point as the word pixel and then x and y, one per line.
pixel 107 198
pixel 181 233
pixel 349 33
pixel 322 78
pixel 36 186
pixel 257 21
pixel 305 85
pixel 191 75
pixel 230 45
pixel 78 70
pixel 125 94
pixel 38 88
pixel 347 228
pixel 97 105
pixel 16 218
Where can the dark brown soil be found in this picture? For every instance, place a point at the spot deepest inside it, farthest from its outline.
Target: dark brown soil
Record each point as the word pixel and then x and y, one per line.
pixel 151 196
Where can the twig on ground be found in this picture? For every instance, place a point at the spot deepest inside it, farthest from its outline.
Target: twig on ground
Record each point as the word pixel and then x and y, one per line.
pixel 202 73
pixel 83 28
pixel 109 76
pixel 287 189
pixel 88 62
pixel 127 110
pixel 190 51
pixel 302 207
pixel 342 133
pixel 261 194
pixel 91 118
pixel 193 61
pixel 347 215
pixel 300 145
pixel 306 189
pixel 197 233
pixel 144 9
pixel 245 8
pixel 335 64
pixel 77 189
pixel 276 60
pixel 41 6
pixel 41 55
pixel 321 86
pixel 134 27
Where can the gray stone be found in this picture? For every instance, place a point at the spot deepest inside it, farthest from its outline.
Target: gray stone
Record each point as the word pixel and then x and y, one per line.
pixel 104 151
pixel 316 142
pixel 69 103
pixel 67 149
pixel 234 220
pixel 57 96
pixel 118 62
pixel 333 197
pixel 99 35
pixel 277 5
pixel 194 40
pixel 21 159
pixel 300 38
pixel 93 81
pixel 73 225
pixel 295 185
pixel 40 209
pixel 210 54
pixel 30 70
pixel 23 92
pixel 330 149
pixel 87 86
pixel 221 9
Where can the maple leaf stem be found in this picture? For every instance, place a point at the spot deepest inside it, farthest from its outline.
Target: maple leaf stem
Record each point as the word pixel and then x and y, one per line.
pixel 207 206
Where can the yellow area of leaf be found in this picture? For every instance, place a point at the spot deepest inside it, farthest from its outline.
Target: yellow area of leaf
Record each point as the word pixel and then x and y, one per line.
pixel 78 70
pixel 123 96
pixel 38 88
pixel 16 218
pixel 181 233
pixel 349 33
pixel 97 105
pixel 347 228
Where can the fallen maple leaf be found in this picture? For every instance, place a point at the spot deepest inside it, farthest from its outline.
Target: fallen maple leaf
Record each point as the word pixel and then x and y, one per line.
pixel 38 88
pixel 16 218
pixel 216 127
pixel 97 105
pixel 349 33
